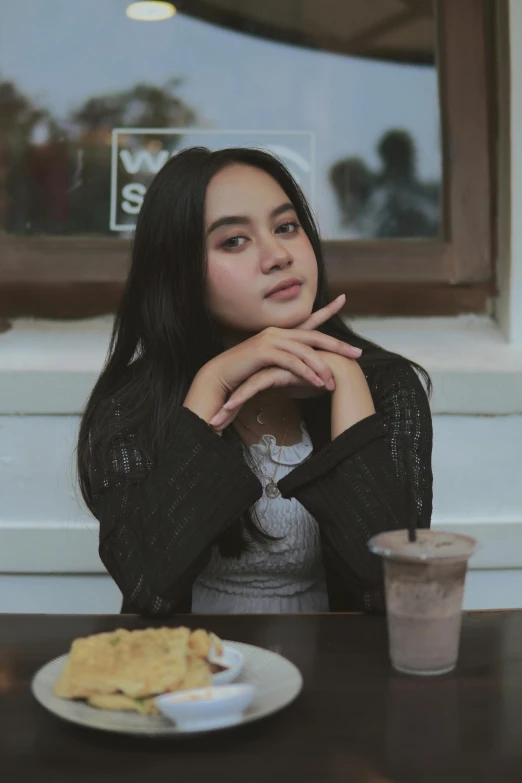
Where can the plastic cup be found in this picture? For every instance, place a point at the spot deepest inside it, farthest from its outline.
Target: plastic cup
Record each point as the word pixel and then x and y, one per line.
pixel 424 584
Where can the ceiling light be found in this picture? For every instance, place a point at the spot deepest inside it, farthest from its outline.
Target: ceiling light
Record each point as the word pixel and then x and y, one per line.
pixel 150 11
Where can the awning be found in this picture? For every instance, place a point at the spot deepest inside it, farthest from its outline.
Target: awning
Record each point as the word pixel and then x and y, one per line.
pixel 398 30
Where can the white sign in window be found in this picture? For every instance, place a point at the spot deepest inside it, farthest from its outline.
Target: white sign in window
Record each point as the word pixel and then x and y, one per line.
pixel 139 153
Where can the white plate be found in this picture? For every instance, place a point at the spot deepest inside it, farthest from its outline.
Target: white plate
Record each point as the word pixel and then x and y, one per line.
pixel 233 659
pixel 277 681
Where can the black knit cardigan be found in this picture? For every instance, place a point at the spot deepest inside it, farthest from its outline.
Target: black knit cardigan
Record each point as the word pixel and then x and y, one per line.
pixel 157 531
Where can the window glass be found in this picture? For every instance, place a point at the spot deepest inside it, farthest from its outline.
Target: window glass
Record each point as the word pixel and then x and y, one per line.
pixel 92 102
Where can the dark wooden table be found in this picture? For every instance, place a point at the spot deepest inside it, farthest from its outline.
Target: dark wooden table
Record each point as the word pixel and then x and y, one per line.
pixel 355 720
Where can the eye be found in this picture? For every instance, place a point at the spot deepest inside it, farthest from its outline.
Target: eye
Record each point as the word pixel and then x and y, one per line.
pixel 233 243
pixel 291 227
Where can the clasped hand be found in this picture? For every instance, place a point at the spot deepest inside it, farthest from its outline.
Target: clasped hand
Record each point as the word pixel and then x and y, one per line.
pixel 302 360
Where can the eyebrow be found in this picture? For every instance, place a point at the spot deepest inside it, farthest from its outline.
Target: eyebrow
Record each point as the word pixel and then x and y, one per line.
pixel 243 220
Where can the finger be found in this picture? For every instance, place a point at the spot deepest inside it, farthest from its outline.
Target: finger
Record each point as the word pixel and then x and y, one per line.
pixel 309 357
pixel 223 419
pixel 289 360
pixel 257 382
pixel 273 378
pixel 322 341
pixel 324 314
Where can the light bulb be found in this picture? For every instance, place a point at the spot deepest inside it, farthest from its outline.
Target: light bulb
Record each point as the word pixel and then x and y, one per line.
pixel 150 11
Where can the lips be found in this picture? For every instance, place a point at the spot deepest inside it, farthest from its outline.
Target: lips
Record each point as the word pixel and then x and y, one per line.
pixel 291 282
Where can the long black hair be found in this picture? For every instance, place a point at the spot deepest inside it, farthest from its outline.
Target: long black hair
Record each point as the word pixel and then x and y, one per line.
pixel 163 331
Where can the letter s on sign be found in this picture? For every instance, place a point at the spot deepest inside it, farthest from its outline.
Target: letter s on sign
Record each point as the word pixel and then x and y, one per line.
pixel 133 194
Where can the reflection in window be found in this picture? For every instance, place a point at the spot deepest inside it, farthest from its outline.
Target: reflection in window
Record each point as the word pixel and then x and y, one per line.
pixel 391 201
pixel 356 105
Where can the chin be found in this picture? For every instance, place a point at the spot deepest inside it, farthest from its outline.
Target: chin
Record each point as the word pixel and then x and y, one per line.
pixel 290 317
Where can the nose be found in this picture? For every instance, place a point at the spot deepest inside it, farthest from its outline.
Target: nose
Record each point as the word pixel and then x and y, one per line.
pixel 275 254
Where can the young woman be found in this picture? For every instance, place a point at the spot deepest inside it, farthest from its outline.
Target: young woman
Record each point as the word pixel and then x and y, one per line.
pixel 242 444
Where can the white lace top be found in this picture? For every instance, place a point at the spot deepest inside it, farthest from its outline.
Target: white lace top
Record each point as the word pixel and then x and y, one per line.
pixel 273 576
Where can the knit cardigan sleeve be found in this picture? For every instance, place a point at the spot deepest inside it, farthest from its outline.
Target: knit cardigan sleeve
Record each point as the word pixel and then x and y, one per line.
pixel 158 523
pixel 362 482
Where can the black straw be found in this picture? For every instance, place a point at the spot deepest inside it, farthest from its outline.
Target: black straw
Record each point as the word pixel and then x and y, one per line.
pixel 412 510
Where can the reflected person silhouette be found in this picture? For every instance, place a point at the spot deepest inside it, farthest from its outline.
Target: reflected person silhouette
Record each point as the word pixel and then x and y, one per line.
pixel 391 202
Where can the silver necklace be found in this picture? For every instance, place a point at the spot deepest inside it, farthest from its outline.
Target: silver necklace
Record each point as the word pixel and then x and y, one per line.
pixel 271 488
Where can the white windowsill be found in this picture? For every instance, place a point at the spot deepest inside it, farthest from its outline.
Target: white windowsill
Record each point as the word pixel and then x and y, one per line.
pixel 474 369
pixel 44 547
pixel 49 367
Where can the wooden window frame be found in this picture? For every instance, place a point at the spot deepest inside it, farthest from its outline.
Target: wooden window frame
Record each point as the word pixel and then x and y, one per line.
pixel 82 276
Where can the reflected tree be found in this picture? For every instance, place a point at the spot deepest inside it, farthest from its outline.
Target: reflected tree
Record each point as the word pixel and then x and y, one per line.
pixel 55 176
pixel 142 106
pixel 33 166
pixel 391 202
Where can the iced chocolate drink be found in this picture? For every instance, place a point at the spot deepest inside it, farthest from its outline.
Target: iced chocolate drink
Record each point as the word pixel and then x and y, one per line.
pixel 424 583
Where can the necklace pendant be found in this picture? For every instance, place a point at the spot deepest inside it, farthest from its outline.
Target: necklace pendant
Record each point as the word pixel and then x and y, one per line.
pixel 259 417
pixel 272 490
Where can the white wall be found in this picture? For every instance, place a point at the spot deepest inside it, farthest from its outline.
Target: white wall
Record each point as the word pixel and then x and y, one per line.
pixel 477 464
pixel 48 541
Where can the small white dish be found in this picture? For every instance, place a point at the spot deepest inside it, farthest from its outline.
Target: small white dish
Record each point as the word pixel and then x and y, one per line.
pixel 232 660
pixel 201 709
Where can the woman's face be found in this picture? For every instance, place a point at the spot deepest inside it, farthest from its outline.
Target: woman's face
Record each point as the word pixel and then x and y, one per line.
pixel 254 245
